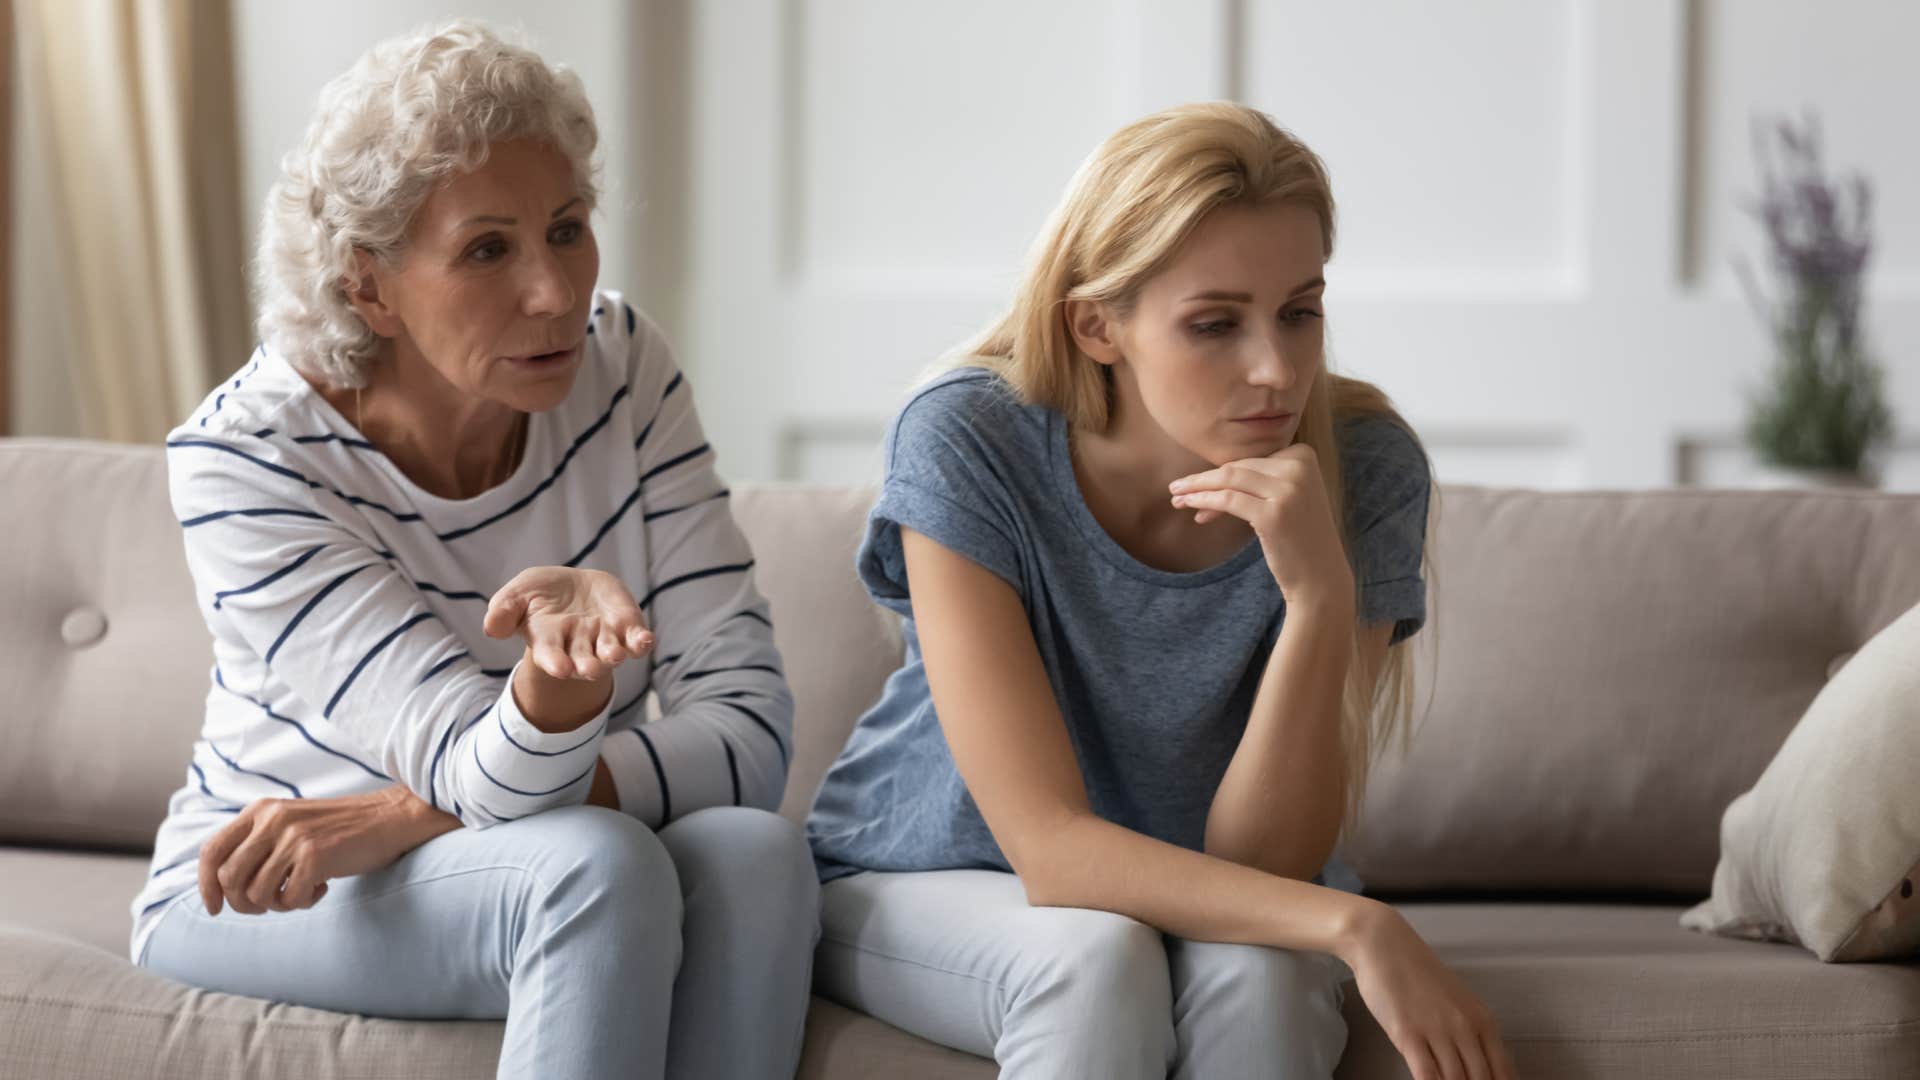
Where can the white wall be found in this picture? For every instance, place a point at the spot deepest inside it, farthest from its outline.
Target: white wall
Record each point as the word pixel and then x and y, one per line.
pixel 1540 198
pixel 1539 202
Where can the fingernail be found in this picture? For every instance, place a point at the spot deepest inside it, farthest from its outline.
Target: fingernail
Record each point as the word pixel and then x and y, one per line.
pixel 1177 485
pixel 1179 500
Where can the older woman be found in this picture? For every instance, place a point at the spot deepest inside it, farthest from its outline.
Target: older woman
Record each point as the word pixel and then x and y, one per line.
pixel 452 524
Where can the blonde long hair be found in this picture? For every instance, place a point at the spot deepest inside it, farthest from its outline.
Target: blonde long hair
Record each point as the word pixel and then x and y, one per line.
pixel 1127 211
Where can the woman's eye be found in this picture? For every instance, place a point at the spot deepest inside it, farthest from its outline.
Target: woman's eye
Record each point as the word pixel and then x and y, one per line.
pixel 566 232
pixel 1214 328
pixel 487 251
pixel 1297 316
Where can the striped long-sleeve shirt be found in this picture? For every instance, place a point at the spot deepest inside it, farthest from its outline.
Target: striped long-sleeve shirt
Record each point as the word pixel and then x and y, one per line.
pixel 345 604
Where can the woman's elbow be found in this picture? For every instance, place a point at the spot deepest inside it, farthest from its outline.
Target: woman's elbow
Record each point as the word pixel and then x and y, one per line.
pixel 1042 859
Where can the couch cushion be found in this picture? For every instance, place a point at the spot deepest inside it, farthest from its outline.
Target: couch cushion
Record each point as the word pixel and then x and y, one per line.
pixel 838 647
pixel 1614 668
pixel 102 652
pixel 71 894
pixel 1822 851
pixel 1581 990
pixel 74 1012
pixel 1605 990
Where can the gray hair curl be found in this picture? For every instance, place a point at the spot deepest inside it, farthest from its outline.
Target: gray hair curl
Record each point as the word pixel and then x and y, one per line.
pixel 410 113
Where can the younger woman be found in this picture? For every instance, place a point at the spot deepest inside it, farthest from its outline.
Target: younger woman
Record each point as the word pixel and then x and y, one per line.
pixel 1156 563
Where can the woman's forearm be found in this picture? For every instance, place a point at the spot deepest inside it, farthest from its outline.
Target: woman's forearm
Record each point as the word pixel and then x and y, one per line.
pixel 410 821
pixel 1280 804
pixel 1088 862
pixel 555 705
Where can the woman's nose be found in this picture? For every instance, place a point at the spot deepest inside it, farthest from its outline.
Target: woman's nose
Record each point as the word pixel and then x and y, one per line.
pixel 546 290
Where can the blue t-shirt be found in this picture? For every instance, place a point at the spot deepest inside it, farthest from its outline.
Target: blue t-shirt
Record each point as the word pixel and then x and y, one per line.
pixel 1154 671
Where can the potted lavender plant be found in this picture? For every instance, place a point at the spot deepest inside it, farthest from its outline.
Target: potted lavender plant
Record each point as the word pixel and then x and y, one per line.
pixel 1823 412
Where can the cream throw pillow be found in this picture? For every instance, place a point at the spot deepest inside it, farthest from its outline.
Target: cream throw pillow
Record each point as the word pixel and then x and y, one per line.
pixel 1825 849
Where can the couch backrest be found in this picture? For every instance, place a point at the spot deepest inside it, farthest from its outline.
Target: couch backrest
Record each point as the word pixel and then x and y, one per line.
pixel 1613 668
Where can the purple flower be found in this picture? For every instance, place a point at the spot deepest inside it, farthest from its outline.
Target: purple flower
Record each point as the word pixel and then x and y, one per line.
pixel 1825 408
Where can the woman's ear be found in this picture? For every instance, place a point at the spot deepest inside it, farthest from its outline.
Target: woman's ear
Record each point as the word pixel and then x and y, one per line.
pixel 364 293
pixel 1093 327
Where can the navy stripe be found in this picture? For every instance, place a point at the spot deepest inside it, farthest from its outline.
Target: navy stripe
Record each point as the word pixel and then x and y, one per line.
pixel 221 398
pixel 733 769
pixel 239 768
pixel 293 474
pixel 664 394
pixel 371 653
pixel 170 897
pixel 660 774
pixel 207 791
pixel 755 616
pixel 176 864
pixel 220 597
pixel 269 511
pixel 308 608
pixel 433 770
pixel 441 666
pixel 496 672
pixel 529 794
pixel 696 575
pixel 602 534
pixel 343 440
pixel 768 728
pixel 355 500
pixel 263 433
pixel 723 670
pixel 652 515
pixel 424 586
pixel 631 321
pixel 502 721
pixel 628 707
pixel 282 470
pixel 301 728
pixel 679 459
pixel 578 442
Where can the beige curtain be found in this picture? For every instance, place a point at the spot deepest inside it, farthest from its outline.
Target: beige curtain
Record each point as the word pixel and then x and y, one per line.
pixel 140 143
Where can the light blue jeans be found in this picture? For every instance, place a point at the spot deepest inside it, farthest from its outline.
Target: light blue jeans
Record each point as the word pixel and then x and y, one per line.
pixel 961 958
pixel 610 951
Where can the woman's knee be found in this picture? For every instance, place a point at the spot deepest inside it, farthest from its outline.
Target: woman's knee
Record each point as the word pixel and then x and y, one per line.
pixel 750 854
pixel 585 857
pixel 1098 993
pixel 1099 955
pixel 1284 996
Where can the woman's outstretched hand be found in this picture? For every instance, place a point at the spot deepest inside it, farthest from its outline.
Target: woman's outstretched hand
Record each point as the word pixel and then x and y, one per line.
pixel 1439 1027
pixel 1285 500
pixel 579 624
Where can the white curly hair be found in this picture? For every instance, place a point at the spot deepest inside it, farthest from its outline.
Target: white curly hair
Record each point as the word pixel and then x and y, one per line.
pixel 413 111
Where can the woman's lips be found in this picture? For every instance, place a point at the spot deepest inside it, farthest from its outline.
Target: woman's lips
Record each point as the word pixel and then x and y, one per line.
pixel 1265 420
pixel 538 361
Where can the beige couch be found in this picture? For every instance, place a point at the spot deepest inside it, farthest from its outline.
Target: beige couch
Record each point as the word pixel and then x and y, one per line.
pixel 1612 670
